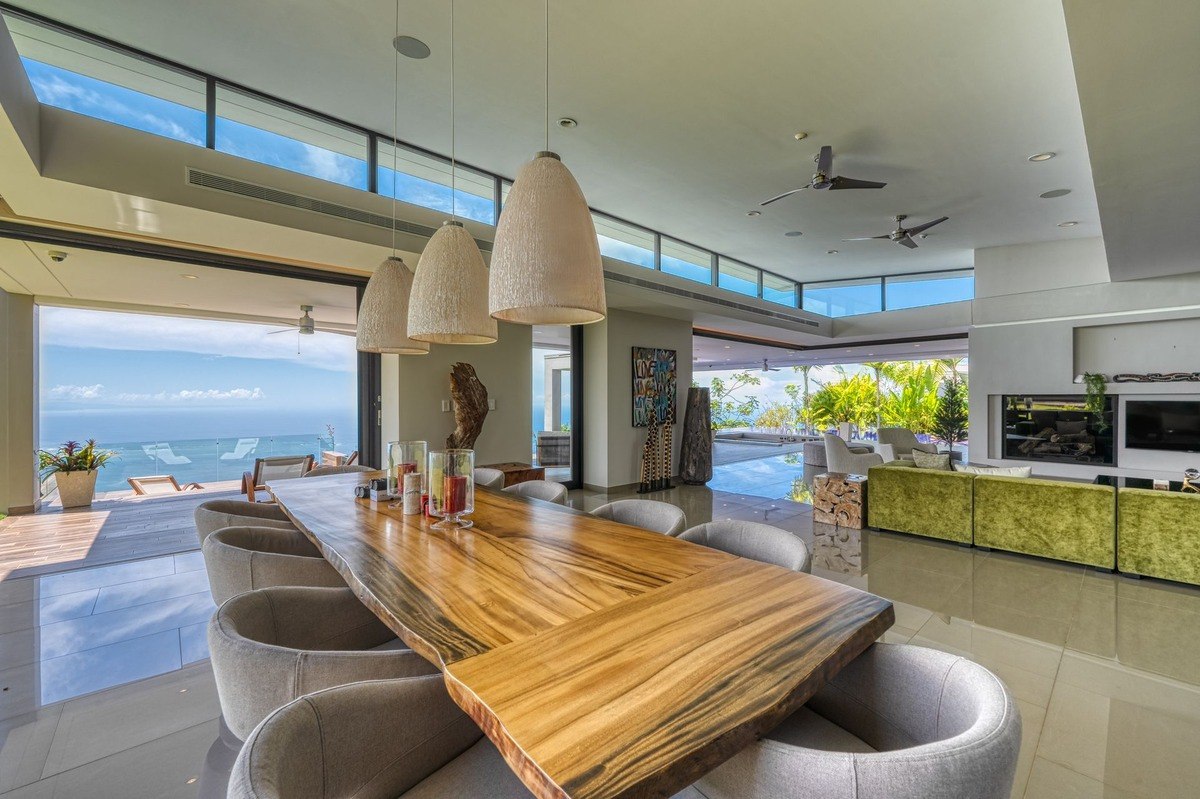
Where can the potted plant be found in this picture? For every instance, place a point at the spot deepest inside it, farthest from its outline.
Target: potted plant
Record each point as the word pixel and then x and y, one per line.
pixel 74 468
pixel 950 420
pixel 1097 394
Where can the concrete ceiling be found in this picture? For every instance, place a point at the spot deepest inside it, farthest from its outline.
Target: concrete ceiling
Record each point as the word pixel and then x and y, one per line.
pixel 1138 71
pixel 717 354
pixel 686 116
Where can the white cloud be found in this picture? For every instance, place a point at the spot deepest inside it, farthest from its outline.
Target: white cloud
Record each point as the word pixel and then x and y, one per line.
pixel 326 164
pixel 77 392
pixel 192 395
pixel 74 327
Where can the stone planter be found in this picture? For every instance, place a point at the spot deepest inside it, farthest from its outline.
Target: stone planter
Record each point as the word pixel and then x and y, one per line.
pixel 76 489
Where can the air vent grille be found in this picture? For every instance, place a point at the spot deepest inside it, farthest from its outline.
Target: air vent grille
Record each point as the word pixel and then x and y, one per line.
pixel 692 295
pixel 242 188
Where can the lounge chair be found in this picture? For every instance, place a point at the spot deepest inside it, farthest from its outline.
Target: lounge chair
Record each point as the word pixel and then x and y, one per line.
pixel 245 446
pixel 162 452
pixel 158 484
pixel 280 467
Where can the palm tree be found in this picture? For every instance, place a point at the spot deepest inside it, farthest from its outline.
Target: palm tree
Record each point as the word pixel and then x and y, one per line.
pixel 802 415
pixel 878 367
pixel 949 365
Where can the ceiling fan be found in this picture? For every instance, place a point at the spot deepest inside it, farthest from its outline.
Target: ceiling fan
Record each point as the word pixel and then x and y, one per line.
pixel 305 325
pixel 903 235
pixel 823 178
pixel 767 367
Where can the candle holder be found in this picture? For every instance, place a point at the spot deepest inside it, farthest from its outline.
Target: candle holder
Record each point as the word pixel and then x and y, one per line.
pixel 405 457
pixel 451 477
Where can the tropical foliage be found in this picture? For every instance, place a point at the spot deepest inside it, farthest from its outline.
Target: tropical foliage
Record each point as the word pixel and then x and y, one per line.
pixel 853 399
pixel 729 409
pixel 71 457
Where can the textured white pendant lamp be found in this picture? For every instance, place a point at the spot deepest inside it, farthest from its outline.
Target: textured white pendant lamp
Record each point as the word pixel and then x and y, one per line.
pixel 383 313
pixel 546 267
pixel 450 291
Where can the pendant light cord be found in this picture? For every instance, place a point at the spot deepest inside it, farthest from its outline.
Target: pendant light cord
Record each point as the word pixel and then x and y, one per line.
pixel 547 75
pixel 453 151
pixel 395 122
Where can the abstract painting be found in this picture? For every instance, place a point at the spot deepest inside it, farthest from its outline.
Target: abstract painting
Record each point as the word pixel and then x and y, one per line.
pixel 653 385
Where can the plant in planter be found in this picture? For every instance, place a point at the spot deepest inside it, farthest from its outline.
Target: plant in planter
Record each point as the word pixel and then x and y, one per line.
pixel 1097 394
pixel 74 469
pixel 950 420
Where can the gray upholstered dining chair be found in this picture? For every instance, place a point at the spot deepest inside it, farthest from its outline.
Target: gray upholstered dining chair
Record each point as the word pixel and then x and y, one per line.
pixel 321 471
pixel 216 514
pixel 273 645
pixel 489 478
pixel 540 489
pixel 839 458
pixel 649 514
pixel 753 540
pixel 380 739
pixel 903 441
pixel 241 559
pixel 900 721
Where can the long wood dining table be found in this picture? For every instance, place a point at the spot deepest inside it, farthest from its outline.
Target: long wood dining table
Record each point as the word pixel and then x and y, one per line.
pixel 602 660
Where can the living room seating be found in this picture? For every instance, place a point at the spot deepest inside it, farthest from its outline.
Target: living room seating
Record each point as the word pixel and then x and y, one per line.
pixel 489 478
pixel 1158 534
pixel 839 458
pixel 753 540
pixel 903 441
pixel 544 490
pixel 928 502
pixel 217 514
pixel 1059 519
pixel 346 468
pixel 279 467
pixel 273 645
pixel 240 559
pixel 649 514
pixel 900 721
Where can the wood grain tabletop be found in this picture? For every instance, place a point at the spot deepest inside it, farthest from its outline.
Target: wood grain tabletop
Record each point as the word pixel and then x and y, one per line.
pixel 602 660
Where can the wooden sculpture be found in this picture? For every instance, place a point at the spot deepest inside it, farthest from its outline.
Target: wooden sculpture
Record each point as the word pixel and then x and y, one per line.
pixel 470 398
pixel 695 455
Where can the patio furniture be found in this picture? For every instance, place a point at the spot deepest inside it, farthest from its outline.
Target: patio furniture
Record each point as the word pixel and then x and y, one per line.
pixel 839 457
pixel 649 514
pixel 279 467
pixel 540 489
pixel 753 540
pixel 244 447
pixel 159 484
pixel 217 514
pixel 331 458
pixel 903 441
pixel 240 559
pixel 899 721
pixel 488 477
pixel 275 644
pixel 516 472
pixel 553 448
pixel 840 500
pixel 162 452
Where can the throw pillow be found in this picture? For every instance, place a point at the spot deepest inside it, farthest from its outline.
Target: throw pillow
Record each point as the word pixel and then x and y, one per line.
pixel 926 460
pixel 1071 428
pixel 995 471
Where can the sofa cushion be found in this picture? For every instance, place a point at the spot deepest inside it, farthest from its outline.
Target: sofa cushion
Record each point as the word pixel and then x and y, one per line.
pixel 926 460
pixel 995 471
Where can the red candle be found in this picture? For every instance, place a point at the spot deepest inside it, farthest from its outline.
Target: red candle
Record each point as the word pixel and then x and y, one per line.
pixel 408 468
pixel 454 494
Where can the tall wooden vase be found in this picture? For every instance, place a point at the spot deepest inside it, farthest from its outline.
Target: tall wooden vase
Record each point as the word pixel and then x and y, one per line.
pixel 696 455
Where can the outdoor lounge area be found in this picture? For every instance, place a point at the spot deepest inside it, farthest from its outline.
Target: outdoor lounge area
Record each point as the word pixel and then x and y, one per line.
pixel 575 400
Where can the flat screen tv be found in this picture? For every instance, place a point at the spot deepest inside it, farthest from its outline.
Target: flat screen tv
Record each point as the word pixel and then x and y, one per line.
pixel 1172 425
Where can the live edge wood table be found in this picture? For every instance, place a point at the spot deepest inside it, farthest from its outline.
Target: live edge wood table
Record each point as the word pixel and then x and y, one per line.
pixel 602 660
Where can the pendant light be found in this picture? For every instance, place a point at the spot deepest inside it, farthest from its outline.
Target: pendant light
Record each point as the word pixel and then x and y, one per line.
pixel 449 302
pixel 546 267
pixel 383 312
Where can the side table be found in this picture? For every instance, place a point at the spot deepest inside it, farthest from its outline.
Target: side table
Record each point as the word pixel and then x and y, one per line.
pixel 840 499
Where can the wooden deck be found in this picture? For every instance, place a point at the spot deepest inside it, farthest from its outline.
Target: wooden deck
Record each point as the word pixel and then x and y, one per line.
pixel 118 527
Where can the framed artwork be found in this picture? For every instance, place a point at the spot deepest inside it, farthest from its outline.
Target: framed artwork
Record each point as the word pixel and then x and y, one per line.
pixel 653 385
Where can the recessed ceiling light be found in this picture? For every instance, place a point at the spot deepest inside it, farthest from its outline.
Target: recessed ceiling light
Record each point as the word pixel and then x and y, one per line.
pixel 1050 195
pixel 567 122
pixel 793 233
pixel 831 252
pixel 754 213
pixel 1067 224
pixel 411 47
pixel 800 135
pixel 189 277
pixel 728 347
pixel 1042 156
pixel 916 345
pixel 192 780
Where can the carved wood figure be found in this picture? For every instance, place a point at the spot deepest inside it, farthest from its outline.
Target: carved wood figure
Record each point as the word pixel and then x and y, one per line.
pixel 696 455
pixel 470 398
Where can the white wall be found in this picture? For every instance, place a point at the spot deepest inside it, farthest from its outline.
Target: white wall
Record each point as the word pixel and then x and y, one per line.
pixel 1041 317
pixel 422 382
pixel 18 403
pixel 612 445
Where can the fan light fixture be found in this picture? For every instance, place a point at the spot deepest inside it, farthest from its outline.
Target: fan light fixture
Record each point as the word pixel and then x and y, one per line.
pixel 449 302
pixel 546 267
pixel 383 314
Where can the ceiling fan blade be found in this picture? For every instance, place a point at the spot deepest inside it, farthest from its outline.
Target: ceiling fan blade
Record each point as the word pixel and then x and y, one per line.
pixel 919 228
pixel 851 183
pixel 869 238
pixel 284 330
pixel 781 196
pixel 908 242
pixel 825 160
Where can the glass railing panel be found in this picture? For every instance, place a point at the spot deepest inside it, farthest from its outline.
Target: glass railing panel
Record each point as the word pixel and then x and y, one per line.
pixel 253 127
pixel 915 291
pixel 624 242
pixel 779 290
pixel 844 297
pixel 737 277
pixel 686 261
pixel 109 84
pixel 424 180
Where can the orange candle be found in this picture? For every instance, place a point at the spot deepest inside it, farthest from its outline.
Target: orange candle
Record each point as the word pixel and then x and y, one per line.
pixel 454 494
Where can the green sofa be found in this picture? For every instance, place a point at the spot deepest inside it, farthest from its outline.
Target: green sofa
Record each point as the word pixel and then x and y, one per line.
pixel 1158 534
pixel 925 502
pixel 1057 519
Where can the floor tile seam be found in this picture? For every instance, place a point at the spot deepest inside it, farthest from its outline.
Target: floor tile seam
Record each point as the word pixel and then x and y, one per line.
pixel 1166 680
pixel 204 590
pixel 100 646
pixel 90 568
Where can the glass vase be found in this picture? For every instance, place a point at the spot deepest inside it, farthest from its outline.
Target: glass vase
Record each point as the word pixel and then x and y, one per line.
pixel 451 478
pixel 405 457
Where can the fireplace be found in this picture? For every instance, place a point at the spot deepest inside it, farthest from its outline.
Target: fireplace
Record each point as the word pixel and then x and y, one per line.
pixel 1058 428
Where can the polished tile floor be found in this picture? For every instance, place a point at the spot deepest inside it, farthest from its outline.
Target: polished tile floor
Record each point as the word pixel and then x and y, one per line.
pixel 107 692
